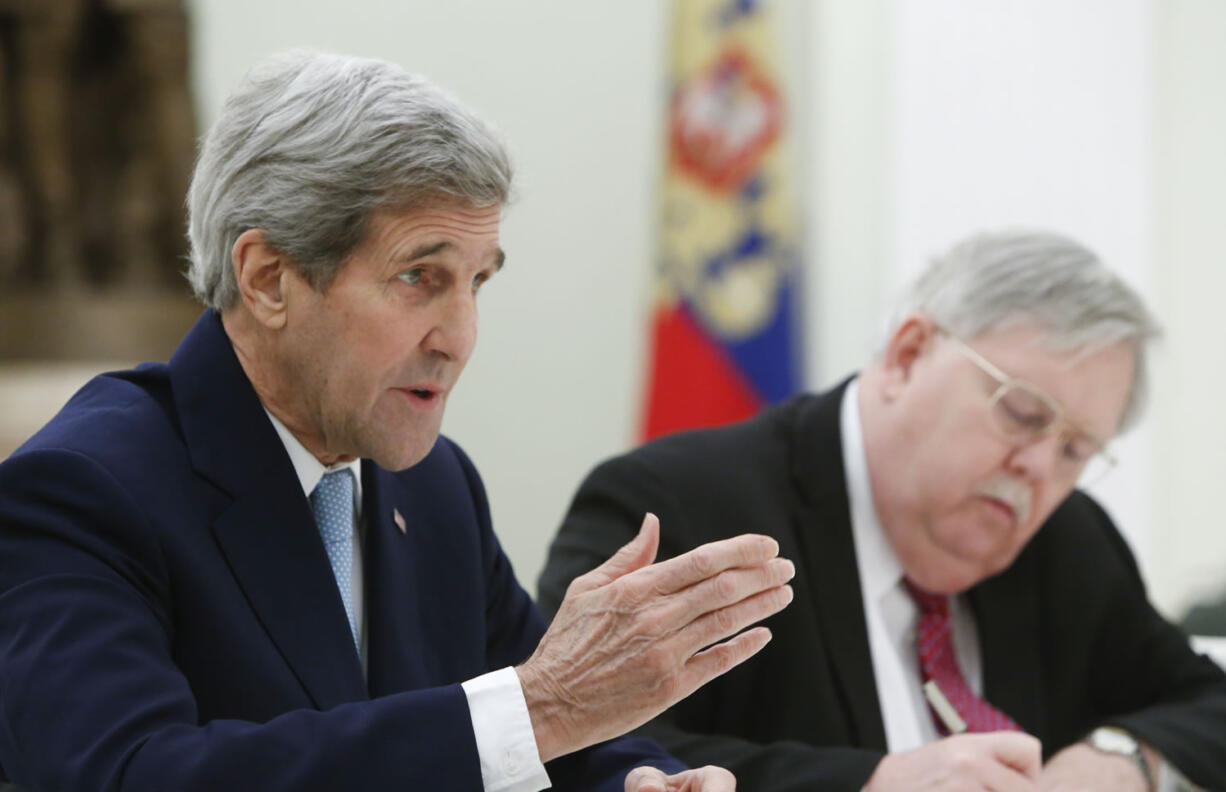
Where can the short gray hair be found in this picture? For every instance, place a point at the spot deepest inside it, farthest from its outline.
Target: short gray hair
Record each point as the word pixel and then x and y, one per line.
pixel 311 144
pixel 997 280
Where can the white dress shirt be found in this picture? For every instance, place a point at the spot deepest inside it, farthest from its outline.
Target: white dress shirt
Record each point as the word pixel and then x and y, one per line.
pixel 889 612
pixel 506 744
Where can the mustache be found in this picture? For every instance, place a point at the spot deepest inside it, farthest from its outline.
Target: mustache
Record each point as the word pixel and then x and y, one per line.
pixel 1012 492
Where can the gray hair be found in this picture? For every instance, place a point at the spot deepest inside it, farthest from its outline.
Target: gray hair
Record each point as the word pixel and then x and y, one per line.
pixel 998 280
pixel 311 145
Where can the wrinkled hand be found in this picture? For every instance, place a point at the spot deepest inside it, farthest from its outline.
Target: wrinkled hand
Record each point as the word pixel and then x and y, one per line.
pixel 704 779
pixel 997 761
pixel 1080 768
pixel 628 640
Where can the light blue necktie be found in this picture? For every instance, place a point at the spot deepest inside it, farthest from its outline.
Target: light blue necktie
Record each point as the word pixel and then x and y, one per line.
pixel 332 502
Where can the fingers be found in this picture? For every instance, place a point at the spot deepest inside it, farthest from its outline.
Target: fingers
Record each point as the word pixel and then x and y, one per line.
pixel 1021 752
pixel 719 624
pixel 646 779
pixel 998 761
pixel 723 657
pixel 727 588
pixel 703 779
pixel 636 554
pixel 710 779
pixel 1002 778
pixel 747 550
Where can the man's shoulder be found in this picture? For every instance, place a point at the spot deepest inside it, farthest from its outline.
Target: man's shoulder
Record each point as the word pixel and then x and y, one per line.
pixel 748 462
pixel 773 426
pixel 763 443
pixel 1079 541
pixel 1079 519
pixel 116 418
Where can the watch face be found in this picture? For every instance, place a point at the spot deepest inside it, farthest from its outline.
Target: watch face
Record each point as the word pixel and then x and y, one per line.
pixel 1113 741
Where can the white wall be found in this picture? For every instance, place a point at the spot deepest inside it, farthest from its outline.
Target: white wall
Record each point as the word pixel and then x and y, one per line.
pixel 1033 113
pixel 1190 275
pixel 918 123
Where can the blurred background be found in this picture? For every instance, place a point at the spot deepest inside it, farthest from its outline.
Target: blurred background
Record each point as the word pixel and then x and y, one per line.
pixel 909 126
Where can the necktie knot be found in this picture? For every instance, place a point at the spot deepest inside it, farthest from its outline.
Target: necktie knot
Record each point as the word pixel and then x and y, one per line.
pixel 332 503
pixel 930 604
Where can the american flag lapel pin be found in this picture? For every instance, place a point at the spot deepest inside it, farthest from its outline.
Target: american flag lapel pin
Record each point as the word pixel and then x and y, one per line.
pixel 398 518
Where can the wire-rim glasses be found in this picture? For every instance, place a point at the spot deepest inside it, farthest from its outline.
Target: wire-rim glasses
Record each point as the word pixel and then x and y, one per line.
pixel 1023 413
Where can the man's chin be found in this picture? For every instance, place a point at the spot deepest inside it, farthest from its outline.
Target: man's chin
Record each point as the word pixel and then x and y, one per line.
pixel 958 572
pixel 402 459
pixel 398 456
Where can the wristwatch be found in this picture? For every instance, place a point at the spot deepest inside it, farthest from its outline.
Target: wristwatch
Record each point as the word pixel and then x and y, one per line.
pixel 1111 740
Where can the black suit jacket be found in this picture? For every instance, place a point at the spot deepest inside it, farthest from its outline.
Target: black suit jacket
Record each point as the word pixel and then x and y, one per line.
pixel 169 619
pixel 1068 638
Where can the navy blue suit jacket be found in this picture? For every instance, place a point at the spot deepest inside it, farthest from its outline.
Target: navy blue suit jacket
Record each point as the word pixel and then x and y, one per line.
pixel 169 619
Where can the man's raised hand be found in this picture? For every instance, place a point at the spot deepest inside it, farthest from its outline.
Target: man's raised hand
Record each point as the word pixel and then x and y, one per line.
pixel 632 638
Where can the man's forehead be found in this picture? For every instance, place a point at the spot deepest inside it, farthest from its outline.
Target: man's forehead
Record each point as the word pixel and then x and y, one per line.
pixel 483 216
pixel 440 227
pixel 1034 345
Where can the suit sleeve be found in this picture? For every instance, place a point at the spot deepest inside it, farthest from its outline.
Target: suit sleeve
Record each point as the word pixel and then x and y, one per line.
pixel 1146 678
pixel 604 515
pixel 91 697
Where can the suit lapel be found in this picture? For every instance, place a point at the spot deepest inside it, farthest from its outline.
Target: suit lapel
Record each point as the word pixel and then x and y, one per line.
pixel 426 615
pixel 1006 607
pixel 267 534
pixel 393 604
pixel 829 561
pixel 273 550
pixel 1006 611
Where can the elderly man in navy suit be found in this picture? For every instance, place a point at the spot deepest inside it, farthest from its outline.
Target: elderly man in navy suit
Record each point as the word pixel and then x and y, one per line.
pixel 260 567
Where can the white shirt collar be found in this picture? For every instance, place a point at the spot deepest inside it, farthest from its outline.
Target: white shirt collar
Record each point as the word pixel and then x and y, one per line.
pixel 880 570
pixel 309 469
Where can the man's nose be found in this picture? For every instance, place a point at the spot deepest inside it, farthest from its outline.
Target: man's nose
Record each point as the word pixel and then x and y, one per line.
pixel 454 333
pixel 1039 458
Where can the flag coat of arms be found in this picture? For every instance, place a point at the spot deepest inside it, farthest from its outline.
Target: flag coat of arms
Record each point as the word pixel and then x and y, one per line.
pixel 724 327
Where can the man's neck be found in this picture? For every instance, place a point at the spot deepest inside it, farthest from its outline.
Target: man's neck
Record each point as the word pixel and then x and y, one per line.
pixel 876 436
pixel 260 363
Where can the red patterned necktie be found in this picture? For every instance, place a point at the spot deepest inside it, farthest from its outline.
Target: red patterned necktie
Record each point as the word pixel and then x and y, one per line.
pixel 934 640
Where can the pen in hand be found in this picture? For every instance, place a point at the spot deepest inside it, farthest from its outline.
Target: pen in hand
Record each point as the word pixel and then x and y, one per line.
pixel 944 710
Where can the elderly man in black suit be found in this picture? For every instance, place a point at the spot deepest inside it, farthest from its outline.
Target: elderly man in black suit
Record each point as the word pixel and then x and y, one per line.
pixel 950 575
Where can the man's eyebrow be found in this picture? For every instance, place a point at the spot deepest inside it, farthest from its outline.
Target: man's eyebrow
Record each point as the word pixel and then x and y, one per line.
pixel 424 251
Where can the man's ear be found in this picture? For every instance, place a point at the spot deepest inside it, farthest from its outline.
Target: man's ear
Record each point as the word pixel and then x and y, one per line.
pixel 909 342
pixel 261 272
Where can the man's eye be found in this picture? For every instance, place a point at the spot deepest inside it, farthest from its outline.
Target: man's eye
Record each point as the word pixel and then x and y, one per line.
pixel 1025 420
pixel 479 279
pixel 411 277
pixel 1080 448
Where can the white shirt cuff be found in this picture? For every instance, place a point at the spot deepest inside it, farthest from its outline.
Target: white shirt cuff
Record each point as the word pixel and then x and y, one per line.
pixel 506 744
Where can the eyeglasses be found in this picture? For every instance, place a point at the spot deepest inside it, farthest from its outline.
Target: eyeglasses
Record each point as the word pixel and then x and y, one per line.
pixel 1024 414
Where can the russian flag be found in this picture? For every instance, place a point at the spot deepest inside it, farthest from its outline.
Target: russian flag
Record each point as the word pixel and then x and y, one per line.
pixel 725 328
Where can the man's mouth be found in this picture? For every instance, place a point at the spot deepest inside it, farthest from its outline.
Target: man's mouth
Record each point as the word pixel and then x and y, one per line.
pixel 423 397
pixel 1002 507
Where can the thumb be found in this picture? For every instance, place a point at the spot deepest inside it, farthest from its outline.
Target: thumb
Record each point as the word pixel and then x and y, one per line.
pixel 636 554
